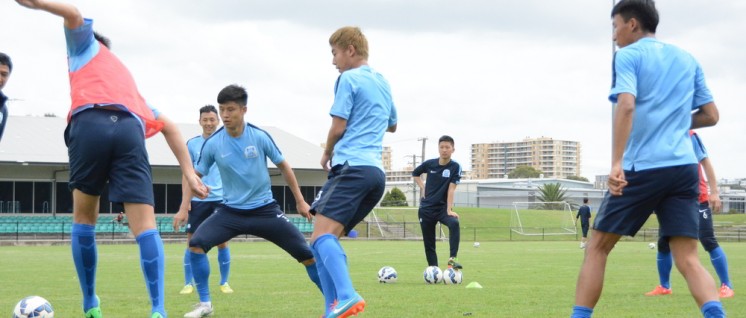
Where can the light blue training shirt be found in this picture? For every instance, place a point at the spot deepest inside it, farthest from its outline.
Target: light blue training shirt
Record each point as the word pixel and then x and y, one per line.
pixel 212 179
pixel 668 84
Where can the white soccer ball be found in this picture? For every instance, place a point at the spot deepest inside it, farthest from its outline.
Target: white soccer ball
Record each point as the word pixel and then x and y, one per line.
pixel 387 275
pixel 433 275
pixel 651 245
pixel 33 307
pixel 476 244
pixel 452 276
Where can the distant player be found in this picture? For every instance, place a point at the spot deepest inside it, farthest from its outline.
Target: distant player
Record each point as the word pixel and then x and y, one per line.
pixel 660 93
pixel 107 126
pixel 584 214
pixel 240 151
pixel 362 112
pixel 200 209
pixel 706 231
pixel 6 67
pixel 436 204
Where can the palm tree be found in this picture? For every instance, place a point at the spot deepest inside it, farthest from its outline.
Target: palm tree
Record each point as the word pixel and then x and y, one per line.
pixel 552 192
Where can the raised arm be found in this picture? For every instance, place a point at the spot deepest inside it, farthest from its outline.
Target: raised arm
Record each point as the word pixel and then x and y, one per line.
pixel 289 176
pixel 73 18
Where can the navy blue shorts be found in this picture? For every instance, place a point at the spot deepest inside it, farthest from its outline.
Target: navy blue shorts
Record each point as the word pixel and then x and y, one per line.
pixel 670 191
pixel 349 194
pixel 109 146
pixel 200 211
pixel 706 231
pixel 267 222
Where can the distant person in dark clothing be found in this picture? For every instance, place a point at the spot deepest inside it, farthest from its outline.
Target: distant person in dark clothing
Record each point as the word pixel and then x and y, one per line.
pixel 584 214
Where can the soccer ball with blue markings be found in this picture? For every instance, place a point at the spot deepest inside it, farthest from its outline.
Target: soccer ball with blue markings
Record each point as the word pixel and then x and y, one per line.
pixel 33 307
pixel 387 275
pixel 433 275
pixel 452 276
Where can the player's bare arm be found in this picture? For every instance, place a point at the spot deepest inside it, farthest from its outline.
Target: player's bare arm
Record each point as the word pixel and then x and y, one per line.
pixel 715 203
pixel 289 176
pixel 421 184
pixel 706 116
pixel 623 115
pixel 449 200
pixel 392 128
pixel 336 131
pixel 73 18
pixel 178 147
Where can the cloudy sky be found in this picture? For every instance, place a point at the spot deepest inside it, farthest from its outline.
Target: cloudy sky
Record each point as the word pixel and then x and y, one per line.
pixel 480 71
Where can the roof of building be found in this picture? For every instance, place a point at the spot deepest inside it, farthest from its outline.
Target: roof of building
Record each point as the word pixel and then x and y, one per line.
pixel 39 140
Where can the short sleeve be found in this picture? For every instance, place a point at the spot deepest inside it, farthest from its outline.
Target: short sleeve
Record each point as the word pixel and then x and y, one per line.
pixel 702 94
pixel 81 45
pixel 393 118
pixel 271 150
pixel 456 176
pixel 206 157
pixel 419 170
pixel 343 97
pixel 624 75
pixel 699 148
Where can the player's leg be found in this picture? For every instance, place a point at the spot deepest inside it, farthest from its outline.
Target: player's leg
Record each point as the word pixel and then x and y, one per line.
pixel 717 255
pixel 664 262
pixel 591 278
pixel 152 257
pixel 427 225
pixel 84 249
pixel 219 227
pixel 224 259
pixel 188 277
pixel 679 220
pixel 454 239
pixel 358 187
pixel 584 227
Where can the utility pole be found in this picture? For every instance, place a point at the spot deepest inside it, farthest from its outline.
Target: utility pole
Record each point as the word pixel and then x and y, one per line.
pixel 424 140
pixel 414 184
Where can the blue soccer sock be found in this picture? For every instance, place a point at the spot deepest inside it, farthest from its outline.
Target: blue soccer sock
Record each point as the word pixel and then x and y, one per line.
pixel 152 261
pixel 325 283
pixel 85 257
pixel 334 259
pixel 665 263
pixel 224 260
pixel 581 312
pixel 201 270
pixel 713 309
pixel 720 262
pixel 188 278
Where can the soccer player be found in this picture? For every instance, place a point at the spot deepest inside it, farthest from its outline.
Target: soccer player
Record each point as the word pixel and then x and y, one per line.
pixel 706 232
pixel 200 209
pixel 240 151
pixel 6 67
pixel 362 112
pixel 107 126
pixel 436 204
pixel 584 214
pixel 660 93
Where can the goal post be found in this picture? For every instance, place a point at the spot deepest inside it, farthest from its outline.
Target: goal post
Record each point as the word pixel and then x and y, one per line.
pixel 542 218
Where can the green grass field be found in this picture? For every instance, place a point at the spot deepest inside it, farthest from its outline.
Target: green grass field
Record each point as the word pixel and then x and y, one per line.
pixel 520 279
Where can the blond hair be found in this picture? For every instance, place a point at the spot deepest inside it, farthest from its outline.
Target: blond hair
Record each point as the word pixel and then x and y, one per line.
pixel 350 35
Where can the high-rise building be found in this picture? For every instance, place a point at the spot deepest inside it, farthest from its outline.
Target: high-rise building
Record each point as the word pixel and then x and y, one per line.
pixel 555 158
pixel 386 156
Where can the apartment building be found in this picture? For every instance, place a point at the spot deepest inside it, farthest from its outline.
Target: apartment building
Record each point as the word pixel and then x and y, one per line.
pixel 555 158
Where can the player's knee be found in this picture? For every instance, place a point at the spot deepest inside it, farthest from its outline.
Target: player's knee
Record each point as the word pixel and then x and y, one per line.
pixel 196 245
pixel 709 243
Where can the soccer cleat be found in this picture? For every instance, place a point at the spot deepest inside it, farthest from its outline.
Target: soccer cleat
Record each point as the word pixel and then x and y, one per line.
pixel 95 312
pixel 200 310
pixel 187 289
pixel 659 291
pixel 582 245
pixel 726 292
pixel 347 308
pixel 226 289
pixel 453 264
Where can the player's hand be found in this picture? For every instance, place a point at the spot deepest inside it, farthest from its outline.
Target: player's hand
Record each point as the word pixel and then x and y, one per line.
pixel 715 204
pixel 326 161
pixel 616 182
pixel 198 188
pixel 453 214
pixel 31 4
pixel 180 218
pixel 304 210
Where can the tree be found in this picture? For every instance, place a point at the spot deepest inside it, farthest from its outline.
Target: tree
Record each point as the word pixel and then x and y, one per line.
pixel 395 197
pixel 577 178
pixel 524 172
pixel 552 192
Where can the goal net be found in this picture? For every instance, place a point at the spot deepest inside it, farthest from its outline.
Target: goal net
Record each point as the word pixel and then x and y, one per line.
pixel 542 218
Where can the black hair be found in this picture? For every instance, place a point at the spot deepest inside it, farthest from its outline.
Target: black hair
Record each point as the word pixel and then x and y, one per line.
pixel 447 139
pixel 233 93
pixel 104 40
pixel 585 200
pixel 5 60
pixel 643 11
pixel 208 109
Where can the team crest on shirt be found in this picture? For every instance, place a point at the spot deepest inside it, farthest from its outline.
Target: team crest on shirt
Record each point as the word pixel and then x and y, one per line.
pixel 250 152
pixel 446 173
pixel 114 119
